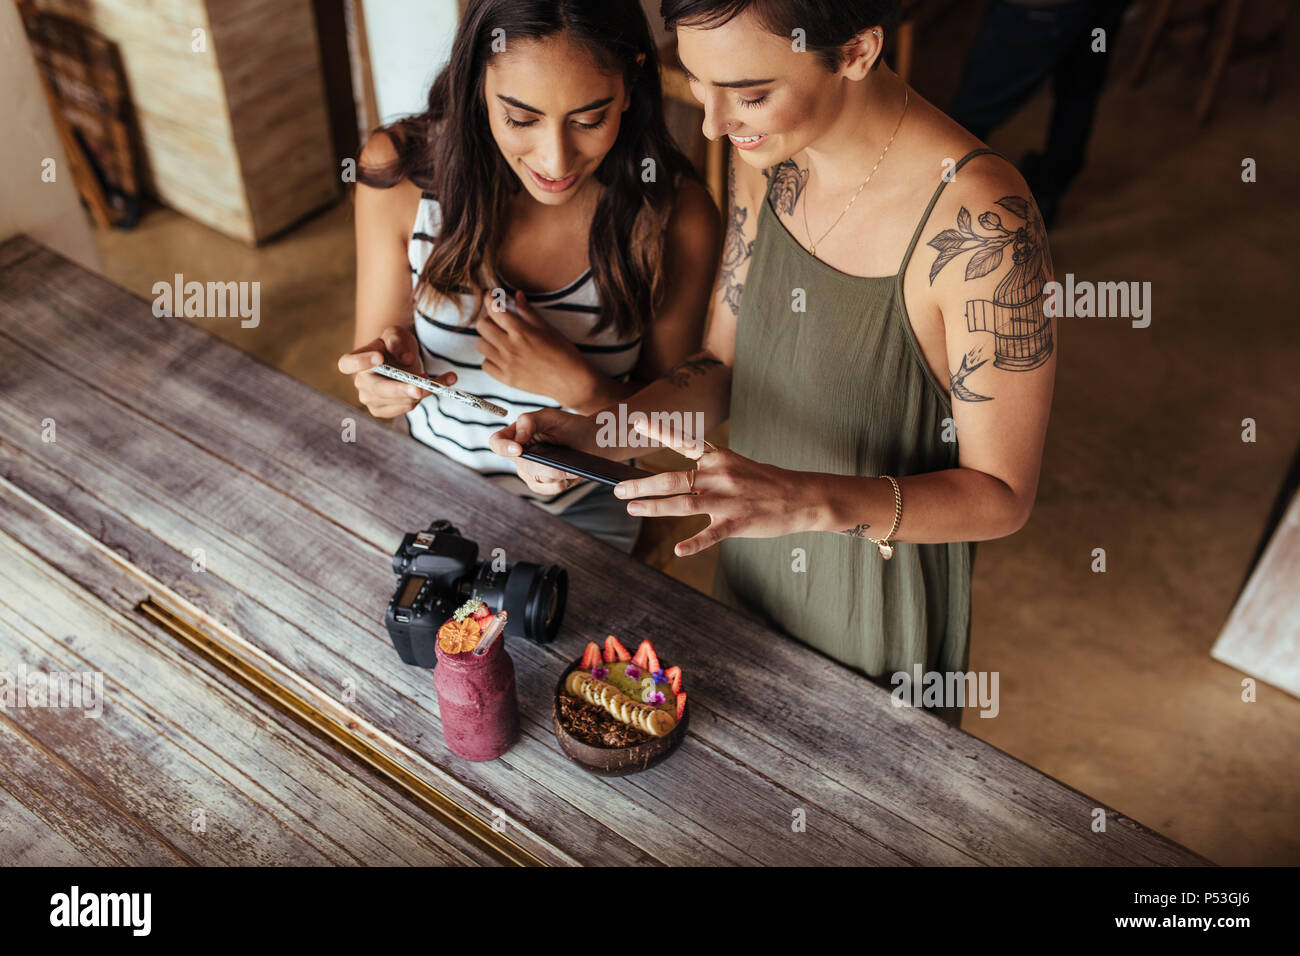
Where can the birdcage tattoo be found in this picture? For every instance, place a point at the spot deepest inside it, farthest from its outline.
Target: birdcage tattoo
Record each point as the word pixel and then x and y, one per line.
pixel 1022 332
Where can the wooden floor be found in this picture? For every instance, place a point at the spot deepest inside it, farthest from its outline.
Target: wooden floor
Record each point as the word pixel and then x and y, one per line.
pixel 1107 681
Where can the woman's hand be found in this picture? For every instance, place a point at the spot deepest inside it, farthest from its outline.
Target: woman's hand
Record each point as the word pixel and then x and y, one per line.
pixel 548 425
pixel 742 497
pixel 383 397
pixel 521 349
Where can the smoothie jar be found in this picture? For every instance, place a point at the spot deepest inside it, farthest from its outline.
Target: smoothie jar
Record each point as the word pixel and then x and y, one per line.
pixel 477 701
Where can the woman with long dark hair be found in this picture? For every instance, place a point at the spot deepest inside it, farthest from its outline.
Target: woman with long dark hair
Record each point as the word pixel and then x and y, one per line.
pixel 553 244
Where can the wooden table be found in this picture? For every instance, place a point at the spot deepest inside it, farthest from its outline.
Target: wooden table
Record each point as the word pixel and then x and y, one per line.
pixel 199 532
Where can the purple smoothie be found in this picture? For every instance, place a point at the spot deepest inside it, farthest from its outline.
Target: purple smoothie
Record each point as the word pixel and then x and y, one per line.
pixel 477 702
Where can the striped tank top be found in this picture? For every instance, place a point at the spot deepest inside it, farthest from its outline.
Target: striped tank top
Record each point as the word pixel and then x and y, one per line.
pixel 447 344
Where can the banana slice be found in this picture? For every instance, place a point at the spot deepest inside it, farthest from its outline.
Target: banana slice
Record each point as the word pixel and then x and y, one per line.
pixel 643 716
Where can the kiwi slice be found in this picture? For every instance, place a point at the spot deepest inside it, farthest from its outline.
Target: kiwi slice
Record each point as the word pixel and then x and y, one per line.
pixel 633 687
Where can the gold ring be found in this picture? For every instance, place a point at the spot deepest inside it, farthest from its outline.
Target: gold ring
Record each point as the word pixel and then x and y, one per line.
pixel 690 481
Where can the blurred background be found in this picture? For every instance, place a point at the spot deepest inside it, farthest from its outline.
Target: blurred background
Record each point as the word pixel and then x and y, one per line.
pixel 213 138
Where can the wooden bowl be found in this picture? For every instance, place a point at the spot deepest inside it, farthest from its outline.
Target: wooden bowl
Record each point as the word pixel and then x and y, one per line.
pixel 614 761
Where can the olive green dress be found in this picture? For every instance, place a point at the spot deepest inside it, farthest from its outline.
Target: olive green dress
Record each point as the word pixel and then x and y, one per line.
pixel 843 388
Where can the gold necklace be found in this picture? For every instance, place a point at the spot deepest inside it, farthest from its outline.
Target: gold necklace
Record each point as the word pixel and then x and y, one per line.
pixel 812 246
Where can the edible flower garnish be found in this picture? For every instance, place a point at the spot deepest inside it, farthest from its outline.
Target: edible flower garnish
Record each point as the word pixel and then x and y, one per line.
pixel 655 698
pixel 599 673
pixel 468 608
pixel 633 671
pixel 660 678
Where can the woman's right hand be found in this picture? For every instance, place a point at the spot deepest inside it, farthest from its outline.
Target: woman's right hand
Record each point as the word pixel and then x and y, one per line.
pixel 548 425
pixel 383 397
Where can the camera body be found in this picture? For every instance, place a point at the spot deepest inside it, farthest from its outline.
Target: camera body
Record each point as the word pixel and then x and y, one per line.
pixel 438 570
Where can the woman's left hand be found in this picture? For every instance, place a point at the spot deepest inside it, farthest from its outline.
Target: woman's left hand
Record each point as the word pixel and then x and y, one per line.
pixel 742 497
pixel 522 350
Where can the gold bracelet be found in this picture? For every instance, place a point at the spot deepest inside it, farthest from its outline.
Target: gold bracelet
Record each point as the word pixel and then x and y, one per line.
pixel 887 549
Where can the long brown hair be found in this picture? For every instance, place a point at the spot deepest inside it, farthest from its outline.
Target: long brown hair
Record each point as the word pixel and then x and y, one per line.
pixel 449 151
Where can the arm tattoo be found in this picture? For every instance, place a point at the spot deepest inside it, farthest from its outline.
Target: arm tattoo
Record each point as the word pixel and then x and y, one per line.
pixel 700 363
pixel 957 380
pixel 788 181
pixel 1022 331
pixel 735 250
pixel 857 531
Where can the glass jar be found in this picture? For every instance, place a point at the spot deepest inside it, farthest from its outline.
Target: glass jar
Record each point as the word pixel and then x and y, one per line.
pixel 477 702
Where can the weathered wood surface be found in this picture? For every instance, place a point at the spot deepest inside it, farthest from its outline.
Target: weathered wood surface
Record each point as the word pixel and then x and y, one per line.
pixel 177 767
pixel 168 441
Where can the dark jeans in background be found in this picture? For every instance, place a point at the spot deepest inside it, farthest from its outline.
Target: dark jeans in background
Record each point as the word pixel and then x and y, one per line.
pixel 1018 47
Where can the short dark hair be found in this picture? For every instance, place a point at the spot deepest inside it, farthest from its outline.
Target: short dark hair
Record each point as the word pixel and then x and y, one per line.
pixel 827 26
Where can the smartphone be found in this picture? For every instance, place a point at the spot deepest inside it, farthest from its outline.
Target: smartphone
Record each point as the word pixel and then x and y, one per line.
pixel 580 463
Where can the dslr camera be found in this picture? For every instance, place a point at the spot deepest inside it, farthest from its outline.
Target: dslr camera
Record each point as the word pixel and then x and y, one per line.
pixel 438 570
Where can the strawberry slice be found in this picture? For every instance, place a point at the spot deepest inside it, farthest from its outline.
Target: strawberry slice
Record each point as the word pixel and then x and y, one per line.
pixel 681 705
pixel 641 659
pixel 481 612
pixel 591 656
pixel 674 675
pixel 651 658
pixel 615 651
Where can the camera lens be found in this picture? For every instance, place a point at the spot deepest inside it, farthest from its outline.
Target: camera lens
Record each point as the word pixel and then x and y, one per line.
pixel 546 610
pixel 533 595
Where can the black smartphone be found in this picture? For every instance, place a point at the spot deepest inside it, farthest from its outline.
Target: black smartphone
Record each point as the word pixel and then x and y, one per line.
pixel 580 463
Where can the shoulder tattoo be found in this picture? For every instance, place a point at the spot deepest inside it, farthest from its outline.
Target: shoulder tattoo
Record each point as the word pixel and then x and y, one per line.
pixel 1021 330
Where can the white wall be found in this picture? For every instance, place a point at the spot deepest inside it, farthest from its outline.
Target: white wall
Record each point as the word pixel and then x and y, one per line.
pixel 49 212
pixel 410 41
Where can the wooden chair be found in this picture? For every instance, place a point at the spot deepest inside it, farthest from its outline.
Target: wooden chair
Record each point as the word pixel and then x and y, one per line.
pixel 1223 21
